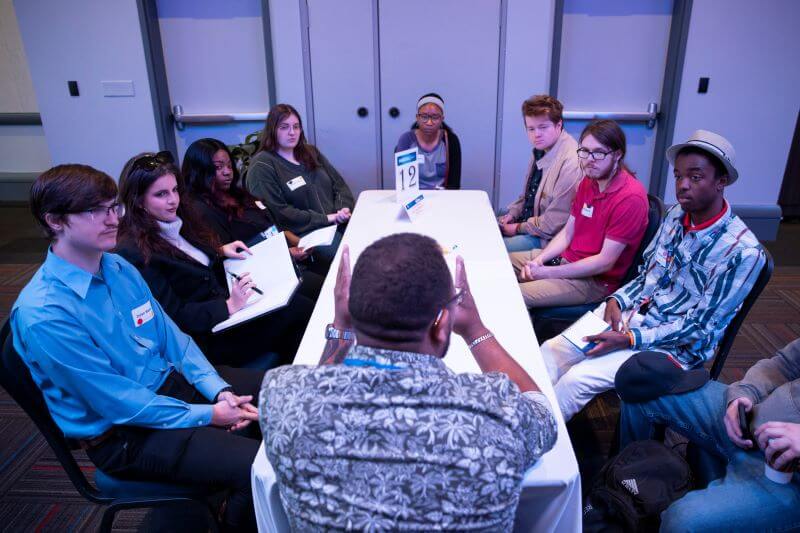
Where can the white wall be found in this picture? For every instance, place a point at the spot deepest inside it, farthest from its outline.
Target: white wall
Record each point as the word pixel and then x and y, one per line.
pixel 88 41
pixel 215 63
pixel 751 52
pixel 287 52
pixel 22 148
pixel 529 39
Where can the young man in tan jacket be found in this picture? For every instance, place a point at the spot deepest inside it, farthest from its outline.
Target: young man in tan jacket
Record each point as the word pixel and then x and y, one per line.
pixel 553 176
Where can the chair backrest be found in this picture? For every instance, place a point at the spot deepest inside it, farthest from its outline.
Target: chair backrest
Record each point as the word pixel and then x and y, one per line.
pixel 16 379
pixel 733 328
pixel 655 213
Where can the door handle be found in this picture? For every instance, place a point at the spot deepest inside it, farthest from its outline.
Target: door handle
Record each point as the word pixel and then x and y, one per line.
pixel 394 112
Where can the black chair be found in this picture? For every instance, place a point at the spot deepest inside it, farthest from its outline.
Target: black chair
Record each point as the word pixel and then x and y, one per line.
pixel 733 328
pixel 551 321
pixel 116 493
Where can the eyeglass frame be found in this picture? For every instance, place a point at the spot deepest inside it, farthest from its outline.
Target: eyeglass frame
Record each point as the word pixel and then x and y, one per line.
pixel 425 117
pixel 96 212
pixel 150 162
pixel 456 298
pixel 594 154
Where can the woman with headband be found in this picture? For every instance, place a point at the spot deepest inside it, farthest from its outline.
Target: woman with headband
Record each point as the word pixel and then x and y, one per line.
pixel 439 148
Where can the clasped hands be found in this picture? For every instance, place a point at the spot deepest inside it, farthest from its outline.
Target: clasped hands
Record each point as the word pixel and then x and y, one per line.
pixel 508 227
pixel 233 412
pixel 340 216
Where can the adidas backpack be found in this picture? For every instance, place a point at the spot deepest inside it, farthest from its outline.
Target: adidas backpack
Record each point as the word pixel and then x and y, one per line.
pixel 633 488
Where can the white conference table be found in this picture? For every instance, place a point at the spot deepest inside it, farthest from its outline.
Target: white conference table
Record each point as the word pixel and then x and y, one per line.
pixel 464 222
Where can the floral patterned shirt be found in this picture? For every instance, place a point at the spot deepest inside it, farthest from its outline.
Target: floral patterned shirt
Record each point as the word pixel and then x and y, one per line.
pixel 395 440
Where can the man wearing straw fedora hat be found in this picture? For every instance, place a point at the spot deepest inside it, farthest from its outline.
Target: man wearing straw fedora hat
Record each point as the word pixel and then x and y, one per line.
pixel 695 273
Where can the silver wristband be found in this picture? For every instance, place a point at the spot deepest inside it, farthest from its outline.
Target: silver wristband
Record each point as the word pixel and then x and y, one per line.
pixel 484 337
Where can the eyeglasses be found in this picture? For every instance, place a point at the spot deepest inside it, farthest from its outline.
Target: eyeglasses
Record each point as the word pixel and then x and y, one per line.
pixel 151 162
pixel 583 153
pixel 102 212
pixel 424 117
pixel 455 299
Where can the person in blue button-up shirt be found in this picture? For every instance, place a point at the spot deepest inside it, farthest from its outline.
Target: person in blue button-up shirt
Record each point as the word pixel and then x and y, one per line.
pixel 116 373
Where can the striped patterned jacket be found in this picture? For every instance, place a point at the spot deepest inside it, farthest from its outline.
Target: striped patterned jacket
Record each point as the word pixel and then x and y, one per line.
pixel 691 285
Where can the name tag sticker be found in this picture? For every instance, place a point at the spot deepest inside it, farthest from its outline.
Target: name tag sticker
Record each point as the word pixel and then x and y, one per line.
pixel 587 211
pixel 142 314
pixel 260 205
pixel 295 183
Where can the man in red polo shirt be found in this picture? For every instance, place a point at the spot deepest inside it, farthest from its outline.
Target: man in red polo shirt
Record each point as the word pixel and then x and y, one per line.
pixel 588 258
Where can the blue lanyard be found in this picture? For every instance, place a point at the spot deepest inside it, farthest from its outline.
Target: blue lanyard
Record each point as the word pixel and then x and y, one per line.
pixel 363 363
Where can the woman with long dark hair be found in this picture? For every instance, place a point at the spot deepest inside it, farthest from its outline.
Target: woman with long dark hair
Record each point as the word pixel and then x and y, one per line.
pixel 299 186
pixel 230 210
pixel 181 260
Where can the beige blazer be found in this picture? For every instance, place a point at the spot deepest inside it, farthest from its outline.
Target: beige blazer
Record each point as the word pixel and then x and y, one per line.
pixel 561 174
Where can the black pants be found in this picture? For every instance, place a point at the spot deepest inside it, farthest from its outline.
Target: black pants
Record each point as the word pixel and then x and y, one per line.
pixel 208 456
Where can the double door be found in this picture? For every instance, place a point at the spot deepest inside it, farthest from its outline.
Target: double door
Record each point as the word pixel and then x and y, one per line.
pixel 370 60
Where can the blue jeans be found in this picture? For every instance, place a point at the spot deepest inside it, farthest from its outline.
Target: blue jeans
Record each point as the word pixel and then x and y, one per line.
pixel 522 243
pixel 744 499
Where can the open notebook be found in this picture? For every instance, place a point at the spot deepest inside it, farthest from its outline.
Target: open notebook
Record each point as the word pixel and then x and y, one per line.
pixel 272 271
pixel 588 324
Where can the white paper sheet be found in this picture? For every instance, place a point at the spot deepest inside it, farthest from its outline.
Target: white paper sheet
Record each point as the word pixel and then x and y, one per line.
pixel 272 271
pixel 321 237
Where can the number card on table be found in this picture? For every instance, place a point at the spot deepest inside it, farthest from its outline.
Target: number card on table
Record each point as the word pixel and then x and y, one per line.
pixel 406 173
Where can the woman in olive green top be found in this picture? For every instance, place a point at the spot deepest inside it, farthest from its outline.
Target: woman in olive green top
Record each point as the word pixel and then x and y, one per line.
pixel 296 182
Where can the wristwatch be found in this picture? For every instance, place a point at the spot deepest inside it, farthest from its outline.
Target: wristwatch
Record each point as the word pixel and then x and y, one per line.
pixel 332 333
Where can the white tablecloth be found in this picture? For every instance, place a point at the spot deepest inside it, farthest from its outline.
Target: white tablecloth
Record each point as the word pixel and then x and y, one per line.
pixel 464 222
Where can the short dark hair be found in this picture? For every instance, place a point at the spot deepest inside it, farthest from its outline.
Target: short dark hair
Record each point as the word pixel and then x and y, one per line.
pixel 399 285
pixel 66 189
pixel 719 168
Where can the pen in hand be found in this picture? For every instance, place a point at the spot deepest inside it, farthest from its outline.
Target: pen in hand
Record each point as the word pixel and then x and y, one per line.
pixel 255 289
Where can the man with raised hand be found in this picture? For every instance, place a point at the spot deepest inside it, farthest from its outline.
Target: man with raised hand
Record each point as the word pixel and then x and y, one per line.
pixel 383 435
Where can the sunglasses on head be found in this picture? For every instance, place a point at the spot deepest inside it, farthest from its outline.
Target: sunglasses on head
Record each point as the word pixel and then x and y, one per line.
pixel 151 162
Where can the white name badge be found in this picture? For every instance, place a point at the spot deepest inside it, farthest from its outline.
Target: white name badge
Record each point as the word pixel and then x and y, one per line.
pixel 142 314
pixel 406 174
pixel 295 183
pixel 415 208
pixel 587 211
pixel 260 205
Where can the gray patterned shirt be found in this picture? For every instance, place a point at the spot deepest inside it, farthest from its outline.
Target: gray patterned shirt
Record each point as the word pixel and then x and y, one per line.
pixel 395 440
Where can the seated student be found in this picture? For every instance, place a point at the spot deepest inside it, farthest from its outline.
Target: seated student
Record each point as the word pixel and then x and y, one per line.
pixel 709 417
pixel 296 182
pixel 181 260
pixel 438 145
pixel 384 435
pixel 116 373
pixel 588 258
pixel 553 174
pixel 230 211
pixel 695 274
